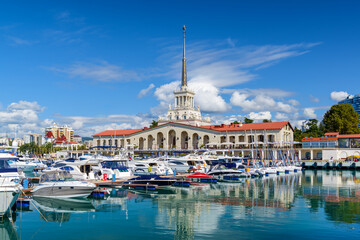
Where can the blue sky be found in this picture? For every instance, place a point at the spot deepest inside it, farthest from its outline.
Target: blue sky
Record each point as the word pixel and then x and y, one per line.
pixel 97 65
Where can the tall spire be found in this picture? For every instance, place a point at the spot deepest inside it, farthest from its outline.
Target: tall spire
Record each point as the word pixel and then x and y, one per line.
pixel 184 75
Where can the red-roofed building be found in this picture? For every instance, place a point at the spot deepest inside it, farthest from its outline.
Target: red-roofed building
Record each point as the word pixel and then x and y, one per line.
pixel 333 146
pixel 177 136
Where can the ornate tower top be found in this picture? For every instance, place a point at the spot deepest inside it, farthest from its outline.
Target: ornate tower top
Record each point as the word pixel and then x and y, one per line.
pixel 184 110
pixel 184 74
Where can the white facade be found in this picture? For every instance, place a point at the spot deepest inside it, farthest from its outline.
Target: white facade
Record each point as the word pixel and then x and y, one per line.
pixel 175 136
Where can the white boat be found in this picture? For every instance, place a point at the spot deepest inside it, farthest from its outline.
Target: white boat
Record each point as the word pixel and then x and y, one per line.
pixel 60 184
pixel 10 187
pixel 150 167
pixel 79 169
pixel 190 161
pixel 24 165
pixel 221 171
pixel 113 167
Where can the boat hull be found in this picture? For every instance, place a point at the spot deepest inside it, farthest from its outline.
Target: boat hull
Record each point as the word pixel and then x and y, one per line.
pixel 63 191
pixel 8 197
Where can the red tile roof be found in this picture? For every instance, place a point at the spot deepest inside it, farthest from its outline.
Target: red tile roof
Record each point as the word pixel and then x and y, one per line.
pixel 49 135
pixel 248 126
pixel 349 136
pixel 320 139
pixel 332 134
pixel 117 132
pixel 219 128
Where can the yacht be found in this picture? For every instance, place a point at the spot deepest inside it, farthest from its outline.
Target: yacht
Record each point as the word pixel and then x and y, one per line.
pixel 113 167
pixel 225 169
pixel 10 187
pixel 79 169
pixel 190 161
pixel 150 180
pixel 60 184
pixel 150 167
pixel 21 164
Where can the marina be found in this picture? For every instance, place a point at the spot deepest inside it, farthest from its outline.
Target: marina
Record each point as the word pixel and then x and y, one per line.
pixel 310 204
pixel 180 120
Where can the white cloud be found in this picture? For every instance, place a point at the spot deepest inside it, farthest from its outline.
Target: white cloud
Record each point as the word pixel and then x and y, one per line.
pixel 25 105
pixel 259 103
pixel 338 96
pixel 22 117
pixel 281 116
pixel 102 72
pixel 259 115
pixel 309 113
pixel 208 98
pixel 165 92
pixel 314 99
pixel 87 126
pixel 270 92
pixel 145 91
pixel 294 102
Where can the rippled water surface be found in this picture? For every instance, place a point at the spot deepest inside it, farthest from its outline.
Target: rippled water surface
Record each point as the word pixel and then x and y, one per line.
pixel 308 205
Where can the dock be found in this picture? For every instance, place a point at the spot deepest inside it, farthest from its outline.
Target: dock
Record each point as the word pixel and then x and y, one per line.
pixel 337 164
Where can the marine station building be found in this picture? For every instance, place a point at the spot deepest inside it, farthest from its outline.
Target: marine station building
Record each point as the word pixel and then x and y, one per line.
pixel 183 129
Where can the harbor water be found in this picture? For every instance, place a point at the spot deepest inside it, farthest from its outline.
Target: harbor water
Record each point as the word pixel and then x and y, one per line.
pixel 314 204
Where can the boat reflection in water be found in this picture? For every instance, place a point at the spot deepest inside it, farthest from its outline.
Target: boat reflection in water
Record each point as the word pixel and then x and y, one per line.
pixel 7 231
pixel 307 205
pixel 59 210
pixel 114 202
pixel 337 192
pixel 194 212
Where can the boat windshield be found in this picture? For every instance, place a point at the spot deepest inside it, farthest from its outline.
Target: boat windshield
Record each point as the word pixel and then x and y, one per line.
pixel 56 176
pixel 114 164
pixel 4 164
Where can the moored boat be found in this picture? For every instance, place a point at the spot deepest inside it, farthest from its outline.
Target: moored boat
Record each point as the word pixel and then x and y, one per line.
pixel 59 184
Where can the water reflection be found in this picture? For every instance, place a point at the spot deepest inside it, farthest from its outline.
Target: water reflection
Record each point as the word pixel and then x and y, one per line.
pixel 253 209
pixel 59 210
pixel 7 231
pixel 337 192
pixel 199 211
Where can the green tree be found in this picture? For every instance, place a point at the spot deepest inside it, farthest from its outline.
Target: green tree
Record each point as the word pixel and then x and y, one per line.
pixel 30 148
pixel 248 120
pixel 298 135
pixel 82 147
pixel 267 120
pixel 341 118
pixel 235 122
pixel 313 130
pixel 154 124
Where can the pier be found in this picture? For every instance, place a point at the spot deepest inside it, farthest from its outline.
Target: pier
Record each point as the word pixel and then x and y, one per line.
pixel 339 164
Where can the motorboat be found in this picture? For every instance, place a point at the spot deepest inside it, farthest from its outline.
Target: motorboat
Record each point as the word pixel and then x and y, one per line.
pixel 225 169
pixel 60 184
pixel 151 179
pixel 190 161
pixel 21 164
pixel 150 167
pixel 79 169
pixel 113 167
pixel 10 187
